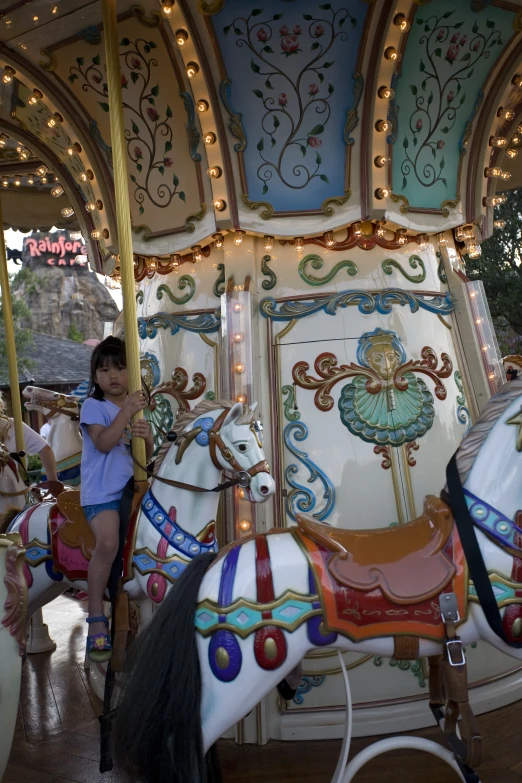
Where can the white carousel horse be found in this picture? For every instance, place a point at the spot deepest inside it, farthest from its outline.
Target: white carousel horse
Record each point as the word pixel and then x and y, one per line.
pixel 173 523
pixel 13 490
pixel 231 629
pixel 64 436
pixel 13 606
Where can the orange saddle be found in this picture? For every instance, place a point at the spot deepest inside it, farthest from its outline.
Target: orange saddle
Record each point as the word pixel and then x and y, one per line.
pixel 407 563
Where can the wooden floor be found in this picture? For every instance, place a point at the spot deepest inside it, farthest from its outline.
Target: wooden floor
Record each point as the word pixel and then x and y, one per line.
pixel 56 739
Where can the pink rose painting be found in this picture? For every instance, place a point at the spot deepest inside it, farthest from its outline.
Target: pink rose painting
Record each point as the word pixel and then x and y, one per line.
pixel 290 44
pixel 152 114
pixel 313 141
pixel 282 100
pixel 452 53
pixel 313 89
pixel 138 153
pixel 262 34
pixel 318 30
pixel 136 63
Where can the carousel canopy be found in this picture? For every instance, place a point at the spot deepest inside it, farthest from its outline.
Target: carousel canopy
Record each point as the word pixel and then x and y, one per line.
pixel 277 117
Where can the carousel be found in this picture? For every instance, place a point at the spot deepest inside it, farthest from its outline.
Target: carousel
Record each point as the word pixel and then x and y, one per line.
pixel 305 559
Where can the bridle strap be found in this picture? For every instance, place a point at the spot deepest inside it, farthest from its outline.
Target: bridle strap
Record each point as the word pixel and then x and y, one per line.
pixel 181 485
pixel 54 409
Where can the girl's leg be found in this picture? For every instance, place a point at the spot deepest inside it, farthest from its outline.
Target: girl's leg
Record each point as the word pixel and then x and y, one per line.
pixel 106 528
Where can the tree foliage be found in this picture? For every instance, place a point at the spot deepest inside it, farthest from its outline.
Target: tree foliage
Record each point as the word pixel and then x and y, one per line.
pixel 23 337
pixel 500 270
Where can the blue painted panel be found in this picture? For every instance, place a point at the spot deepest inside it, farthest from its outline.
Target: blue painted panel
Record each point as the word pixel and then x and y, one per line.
pixel 449 53
pixel 291 67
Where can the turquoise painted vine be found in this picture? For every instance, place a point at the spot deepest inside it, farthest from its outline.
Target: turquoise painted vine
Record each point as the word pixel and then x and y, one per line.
pixel 307 683
pixel 415 667
pixel 297 117
pixel 298 497
pixel 149 138
pixel 463 414
pixel 441 96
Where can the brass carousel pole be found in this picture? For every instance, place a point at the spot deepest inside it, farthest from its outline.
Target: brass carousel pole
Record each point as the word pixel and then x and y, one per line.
pixel 110 33
pixel 7 310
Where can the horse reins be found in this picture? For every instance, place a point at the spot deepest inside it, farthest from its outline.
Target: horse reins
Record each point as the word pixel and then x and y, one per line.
pixel 56 408
pixel 243 477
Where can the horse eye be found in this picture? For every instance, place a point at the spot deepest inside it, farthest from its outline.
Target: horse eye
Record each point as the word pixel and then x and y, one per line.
pixel 242 447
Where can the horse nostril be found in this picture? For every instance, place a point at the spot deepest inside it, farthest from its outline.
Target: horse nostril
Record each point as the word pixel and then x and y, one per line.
pixel 264 490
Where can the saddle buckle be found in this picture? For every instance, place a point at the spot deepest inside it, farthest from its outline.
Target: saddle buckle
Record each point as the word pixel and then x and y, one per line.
pixel 455 652
pixel 449 608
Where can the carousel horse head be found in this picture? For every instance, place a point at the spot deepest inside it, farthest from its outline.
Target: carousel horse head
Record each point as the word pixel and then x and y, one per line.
pixel 233 439
pixel 50 403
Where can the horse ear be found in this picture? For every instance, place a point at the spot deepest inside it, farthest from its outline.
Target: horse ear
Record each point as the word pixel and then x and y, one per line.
pixel 253 407
pixel 234 413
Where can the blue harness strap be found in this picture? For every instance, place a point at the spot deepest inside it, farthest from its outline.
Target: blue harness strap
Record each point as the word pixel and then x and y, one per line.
pixel 491 521
pixel 178 538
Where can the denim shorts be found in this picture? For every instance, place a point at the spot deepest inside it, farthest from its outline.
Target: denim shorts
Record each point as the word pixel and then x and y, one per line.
pixel 91 511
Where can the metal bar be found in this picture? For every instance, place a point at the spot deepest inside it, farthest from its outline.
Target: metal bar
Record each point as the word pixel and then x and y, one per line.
pixel 110 35
pixel 7 310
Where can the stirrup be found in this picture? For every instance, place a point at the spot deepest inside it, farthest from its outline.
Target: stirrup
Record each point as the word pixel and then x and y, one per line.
pixel 99 647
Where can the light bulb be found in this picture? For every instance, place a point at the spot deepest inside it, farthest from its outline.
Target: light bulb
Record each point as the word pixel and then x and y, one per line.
pixel 86 175
pixel 181 37
pixel 383 126
pixel 9 72
pixel 499 223
pixel 218 241
pixel 423 241
pixel 215 172
pixel 329 238
pixel 497 141
pixel 401 236
pixel 3 139
pixel 478 320
pixel 240 368
pixel 30 181
pixel 492 171
pixel 196 253
pixel 95 234
pixel 245 524
pixel 90 206
pixel 51 122
pixel 192 69
pixel 17 182
pixel 379 229
pixel 517 80
pixel 505 175
pixel 239 237
pixel 269 243
pixel 57 191
pixel 508 114
pixel 67 212
pixel 41 171
pixel 519 128
pixel 357 230
pixel 400 21
pixel 391 53
pixel 43 180
pixel 166 6
pixel 511 153
pixel 442 239
pixel 474 250
pixel 386 93
pixel 219 205
pixel 381 193
pixel 237 307
pixel 202 105
pixel 5 183
pixel 238 337
pixel 494 201
pixel 299 243
pixel 485 347
pixel 24 154
pixel 241 398
pixel 473 294
pixel 468 232
pixel 210 138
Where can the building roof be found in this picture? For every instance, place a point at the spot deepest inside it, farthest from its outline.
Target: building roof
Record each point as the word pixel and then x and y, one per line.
pixel 54 361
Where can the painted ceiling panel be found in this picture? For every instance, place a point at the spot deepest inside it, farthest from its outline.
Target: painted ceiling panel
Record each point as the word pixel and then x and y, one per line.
pixel 291 68
pixel 163 153
pixel 450 52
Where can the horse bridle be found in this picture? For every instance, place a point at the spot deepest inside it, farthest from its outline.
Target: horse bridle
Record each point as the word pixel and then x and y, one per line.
pixel 57 408
pixel 243 477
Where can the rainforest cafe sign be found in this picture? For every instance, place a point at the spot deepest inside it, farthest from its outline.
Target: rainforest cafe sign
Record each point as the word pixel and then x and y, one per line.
pixel 55 250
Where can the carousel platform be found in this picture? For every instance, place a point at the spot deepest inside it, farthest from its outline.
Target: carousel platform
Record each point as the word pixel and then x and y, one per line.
pixel 56 739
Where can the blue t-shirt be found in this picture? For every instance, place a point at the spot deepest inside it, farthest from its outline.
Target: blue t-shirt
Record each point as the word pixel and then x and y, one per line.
pixel 104 475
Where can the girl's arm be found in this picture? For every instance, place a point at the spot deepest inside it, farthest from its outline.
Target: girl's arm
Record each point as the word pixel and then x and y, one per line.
pixel 142 429
pixel 106 438
pixel 49 463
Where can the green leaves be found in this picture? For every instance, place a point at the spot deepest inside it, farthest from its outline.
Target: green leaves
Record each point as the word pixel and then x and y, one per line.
pixel 442 163
pixel 169 112
pixel 256 12
pixel 404 182
pixel 465 57
pixel 490 24
pixel 308 17
pixel 96 59
pixel 104 106
pixel 237 31
pixel 175 180
pixel 276 17
pixel 318 159
pixel 80 60
pixel 475 27
pixel 448 14
pixel 182 196
pixel 134 76
pixel 325 7
pixel 141 210
pixel 276 121
pixel 422 67
pixel 265 189
pixel 155 90
pixel 124 42
pixel 316 130
pixel 268 50
pixel 326 65
pixel 315 45
pixel 261 145
pixel 268 85
pixel 303 149
pixel 324 178
pixel 330 89
pixel 227 28
pixel 139 167
pixel 430 99
pixel 161 170
pixel 438 52
pixel 258 93
pixel 168 146
pixel 135 129
pixel 272 141
pixel 255 67
pixel 405 143
pixel 72 78
pixel 413 89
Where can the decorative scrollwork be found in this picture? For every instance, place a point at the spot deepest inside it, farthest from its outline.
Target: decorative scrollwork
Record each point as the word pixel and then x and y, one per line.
pixel 307 683
pixel 352 117
pixel 463 414
pixel 205 323
pixel 329 374
pixel 301 498
pixel 415 667
pixel 413 446
pixel 16 602
pixel 190 226
pixel 186 281
pixel 219 286
pixel 327 207
pixel 414 261
pixel 267 272
pixel 385 451
pixel 193 133
pixel 428 366
pixel 367 302
pixel 316 262
pixel 209 8
pixel 139 297
pixel 290 405
pixel 441 272
pixel 177 388
pixel 268 209
pixel 235 121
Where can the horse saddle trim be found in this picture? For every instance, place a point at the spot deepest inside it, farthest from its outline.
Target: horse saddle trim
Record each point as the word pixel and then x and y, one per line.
pixel 75 532
pixel 406 562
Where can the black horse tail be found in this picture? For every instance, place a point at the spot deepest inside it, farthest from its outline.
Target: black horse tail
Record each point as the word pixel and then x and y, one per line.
pixel 157 728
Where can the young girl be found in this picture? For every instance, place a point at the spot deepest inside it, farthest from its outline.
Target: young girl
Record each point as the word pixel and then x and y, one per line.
pixel 106 468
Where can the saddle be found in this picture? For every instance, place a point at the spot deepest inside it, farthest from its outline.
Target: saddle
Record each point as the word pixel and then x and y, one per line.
pixel 75 532
pixel 407 562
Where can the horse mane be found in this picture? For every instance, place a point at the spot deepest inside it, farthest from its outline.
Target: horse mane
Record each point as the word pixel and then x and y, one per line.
pixel 473 441
pixel 186 417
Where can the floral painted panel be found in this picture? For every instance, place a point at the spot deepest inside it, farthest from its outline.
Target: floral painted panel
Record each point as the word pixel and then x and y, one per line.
pixel 449 53
pixel 291 69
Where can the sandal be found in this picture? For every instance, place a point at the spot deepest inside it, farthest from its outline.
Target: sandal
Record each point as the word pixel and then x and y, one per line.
pixel 99 647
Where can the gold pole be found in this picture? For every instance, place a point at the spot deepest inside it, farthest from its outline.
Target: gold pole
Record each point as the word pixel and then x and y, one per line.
pixel 112 57
pixel 10 341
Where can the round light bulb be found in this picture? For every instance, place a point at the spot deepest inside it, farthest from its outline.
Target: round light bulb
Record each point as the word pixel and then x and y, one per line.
pixel 57 191
pixel 202 105
pixel 239 237
pixel 238 337
pixel 237 307
pixel 381 193
pixel 181 37
pixel 329 238
pixel 391 53
pixel 386 93
pixel 269 243
pixel 215 172
pixel 240 368
pixel 245 525
pixel 67 212
pixel 210 138
pixel 219 205
pixel 192 69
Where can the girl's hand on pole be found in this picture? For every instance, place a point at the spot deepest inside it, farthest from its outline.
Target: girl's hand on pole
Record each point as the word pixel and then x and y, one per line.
pixel 134 402
pixel 141 429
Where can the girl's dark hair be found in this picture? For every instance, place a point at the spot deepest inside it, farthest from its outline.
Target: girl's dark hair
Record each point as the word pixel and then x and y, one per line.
pixel 109 353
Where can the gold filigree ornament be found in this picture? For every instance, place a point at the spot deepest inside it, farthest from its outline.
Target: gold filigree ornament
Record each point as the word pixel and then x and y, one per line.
pixel 327 207
pixel 154 20
pixel 208 9
pixel 405 206
pixel 51 63
pixel 268 210
pixel 190 225
pixel 16 585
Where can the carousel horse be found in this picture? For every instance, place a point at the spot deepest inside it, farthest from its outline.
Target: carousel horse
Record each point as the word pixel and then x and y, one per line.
pixel 64 436
pixel 13 489
pixel 174 520
pixel 237 623
pixel 13 605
